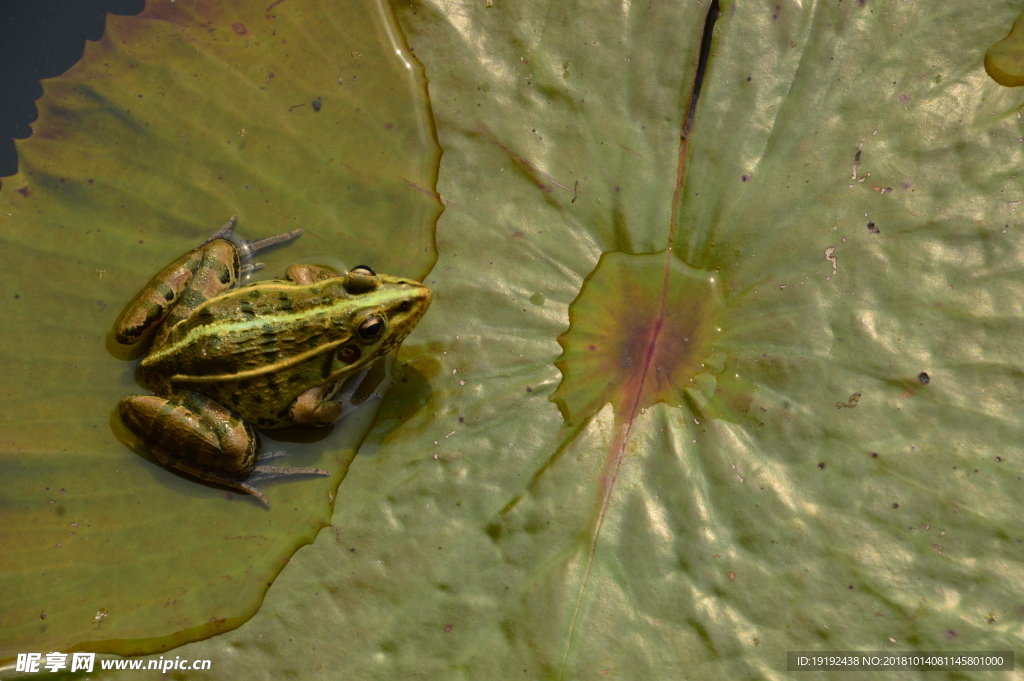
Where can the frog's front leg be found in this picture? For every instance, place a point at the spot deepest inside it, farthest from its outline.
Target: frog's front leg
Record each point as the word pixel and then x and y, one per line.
pixel 323 406
pixel 194 434
pixel 315 408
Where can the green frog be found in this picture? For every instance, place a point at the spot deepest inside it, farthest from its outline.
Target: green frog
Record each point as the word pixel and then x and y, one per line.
pixel 226 357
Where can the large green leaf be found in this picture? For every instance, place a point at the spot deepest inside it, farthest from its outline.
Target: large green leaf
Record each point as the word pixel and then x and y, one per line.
pixel 834 463
pixel 174 121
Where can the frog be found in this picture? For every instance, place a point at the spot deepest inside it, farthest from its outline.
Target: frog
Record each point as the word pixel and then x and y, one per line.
pixel 226 358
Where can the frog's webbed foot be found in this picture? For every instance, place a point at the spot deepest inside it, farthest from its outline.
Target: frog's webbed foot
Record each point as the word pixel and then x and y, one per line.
pixel 251 267
pixel 250 247
pixel 258 473
pixel 218 478
pixel 225 229
pixel 247 248
pixel 270 472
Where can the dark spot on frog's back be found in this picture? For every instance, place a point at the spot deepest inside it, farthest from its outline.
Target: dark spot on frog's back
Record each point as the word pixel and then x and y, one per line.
pixel 284 300
pixel 254 294
pixel 210 347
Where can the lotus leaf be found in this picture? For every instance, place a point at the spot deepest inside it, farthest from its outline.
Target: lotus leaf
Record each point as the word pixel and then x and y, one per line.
pixel 175 120
pixel 834 459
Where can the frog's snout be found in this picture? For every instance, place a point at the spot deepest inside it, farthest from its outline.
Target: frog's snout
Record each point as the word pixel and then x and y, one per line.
pixel 410 307
pixel 425 295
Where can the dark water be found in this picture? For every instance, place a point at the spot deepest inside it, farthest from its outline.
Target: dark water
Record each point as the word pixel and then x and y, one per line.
pixel 42 39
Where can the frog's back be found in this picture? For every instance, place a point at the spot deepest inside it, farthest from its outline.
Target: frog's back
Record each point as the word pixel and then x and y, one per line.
pixel 253 330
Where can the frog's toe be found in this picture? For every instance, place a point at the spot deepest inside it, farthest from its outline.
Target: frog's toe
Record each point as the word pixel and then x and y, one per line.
pixel 215 477
pixel 247 248
pixel 264 472
pixel 267 472
pixel 255 492
pixel 225 229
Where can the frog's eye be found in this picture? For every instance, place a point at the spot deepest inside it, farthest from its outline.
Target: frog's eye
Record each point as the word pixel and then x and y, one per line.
pixel 372 328
pixel 364 268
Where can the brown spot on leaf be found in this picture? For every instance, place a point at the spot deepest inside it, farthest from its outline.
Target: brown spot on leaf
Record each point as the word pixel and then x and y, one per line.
pixel 638 332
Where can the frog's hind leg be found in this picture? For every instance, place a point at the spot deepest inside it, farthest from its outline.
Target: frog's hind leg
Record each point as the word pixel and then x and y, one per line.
pixel 182 286
pixel 195 435
pixel 151 306
pixel 198 436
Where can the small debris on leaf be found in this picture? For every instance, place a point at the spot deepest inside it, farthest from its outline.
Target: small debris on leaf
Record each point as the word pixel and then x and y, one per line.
pixel 854 399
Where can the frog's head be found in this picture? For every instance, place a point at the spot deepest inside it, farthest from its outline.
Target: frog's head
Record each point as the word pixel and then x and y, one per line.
pixel 381 312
